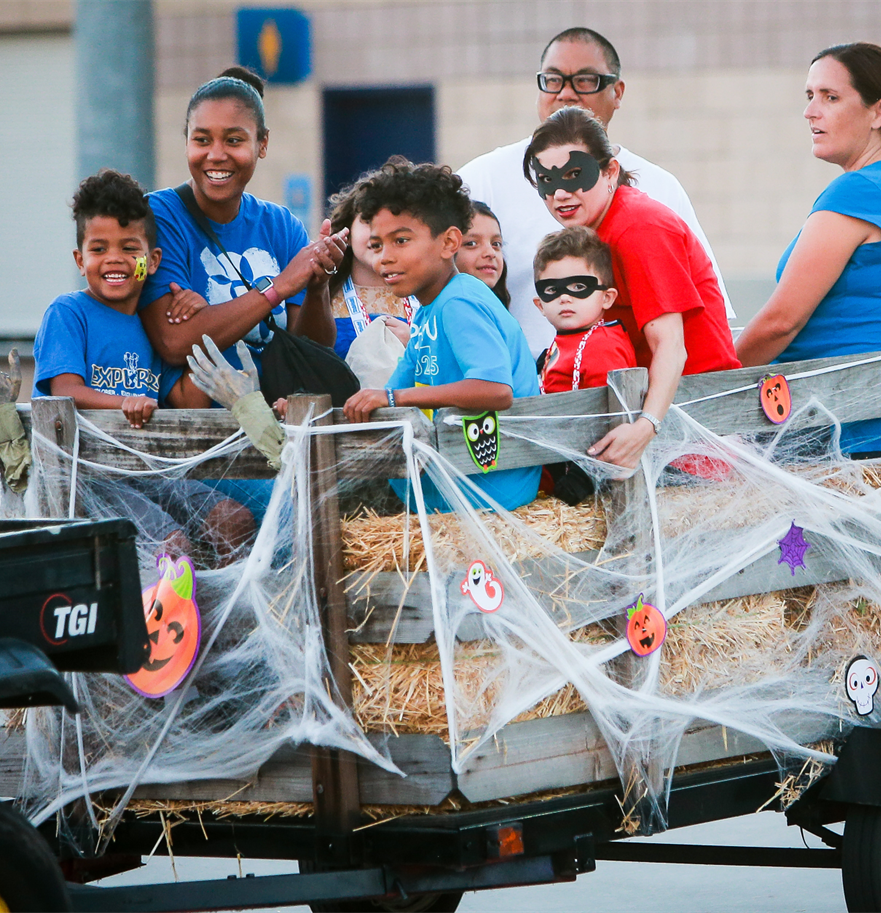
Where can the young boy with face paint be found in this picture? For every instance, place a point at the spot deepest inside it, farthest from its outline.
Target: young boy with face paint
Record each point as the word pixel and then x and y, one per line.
pixel 573 281
pixel 91 345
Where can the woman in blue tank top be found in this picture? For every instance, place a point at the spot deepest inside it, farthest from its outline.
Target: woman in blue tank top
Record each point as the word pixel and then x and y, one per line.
pixel 828 297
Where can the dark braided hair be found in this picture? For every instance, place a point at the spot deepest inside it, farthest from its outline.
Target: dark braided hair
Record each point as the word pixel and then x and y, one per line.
pixel 241 85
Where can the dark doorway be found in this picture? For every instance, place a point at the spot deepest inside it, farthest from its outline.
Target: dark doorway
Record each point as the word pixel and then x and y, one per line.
pixel 363 127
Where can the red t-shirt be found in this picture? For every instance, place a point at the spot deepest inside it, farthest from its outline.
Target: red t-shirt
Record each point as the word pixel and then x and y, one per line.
pixel 607 349
pixel 660 267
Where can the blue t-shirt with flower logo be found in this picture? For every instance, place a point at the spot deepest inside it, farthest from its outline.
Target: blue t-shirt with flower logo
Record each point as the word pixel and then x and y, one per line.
pixel 261 240
pixel 108 349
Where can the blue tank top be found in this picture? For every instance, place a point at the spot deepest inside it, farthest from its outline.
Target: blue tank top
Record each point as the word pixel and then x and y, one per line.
pixel 848 319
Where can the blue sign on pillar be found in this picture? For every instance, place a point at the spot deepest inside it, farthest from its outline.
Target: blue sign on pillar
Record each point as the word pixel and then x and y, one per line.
pixel 298 196
pixel 277 43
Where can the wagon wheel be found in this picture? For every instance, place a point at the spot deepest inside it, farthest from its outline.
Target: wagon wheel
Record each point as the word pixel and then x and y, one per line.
pixel 861 859
pixel 30 878
pixel 416 903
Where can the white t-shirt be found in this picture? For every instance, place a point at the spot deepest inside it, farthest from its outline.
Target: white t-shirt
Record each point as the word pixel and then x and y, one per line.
pixel 496 179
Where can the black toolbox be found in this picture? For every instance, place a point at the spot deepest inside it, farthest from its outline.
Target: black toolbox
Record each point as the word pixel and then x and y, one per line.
pixel 72 588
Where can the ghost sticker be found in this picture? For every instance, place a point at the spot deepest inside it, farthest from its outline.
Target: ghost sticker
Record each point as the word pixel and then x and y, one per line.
pixel 775 398
pixel 792 548
pixel 140 269
pixel 646 627
pixel 861 682
pixel 485 591
pixel 482 439
pixel 174 629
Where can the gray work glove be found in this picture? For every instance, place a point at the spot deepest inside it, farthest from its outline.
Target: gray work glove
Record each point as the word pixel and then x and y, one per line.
pixel 240 392
pixel 214 375
pixel 15 451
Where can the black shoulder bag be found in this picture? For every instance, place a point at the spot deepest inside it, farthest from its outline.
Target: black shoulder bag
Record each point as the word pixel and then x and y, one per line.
pixel 290 364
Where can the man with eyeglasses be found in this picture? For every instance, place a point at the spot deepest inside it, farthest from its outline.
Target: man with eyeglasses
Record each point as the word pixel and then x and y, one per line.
pixel 578 67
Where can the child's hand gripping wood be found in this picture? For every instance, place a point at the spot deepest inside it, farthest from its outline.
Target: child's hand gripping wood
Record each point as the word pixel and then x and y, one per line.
pixel 238 391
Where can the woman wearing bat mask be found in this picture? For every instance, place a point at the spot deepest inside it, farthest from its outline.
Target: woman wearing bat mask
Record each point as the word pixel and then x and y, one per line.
pixel 669 300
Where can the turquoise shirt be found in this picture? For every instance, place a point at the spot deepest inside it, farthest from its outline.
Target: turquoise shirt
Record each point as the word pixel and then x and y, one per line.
pixel 467 334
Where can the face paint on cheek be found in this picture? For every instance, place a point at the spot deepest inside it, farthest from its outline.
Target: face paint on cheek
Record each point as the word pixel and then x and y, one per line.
pixel 582 169
pixel 140 269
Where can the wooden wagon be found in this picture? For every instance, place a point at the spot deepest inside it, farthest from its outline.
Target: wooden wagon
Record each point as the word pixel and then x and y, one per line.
pixel 539 802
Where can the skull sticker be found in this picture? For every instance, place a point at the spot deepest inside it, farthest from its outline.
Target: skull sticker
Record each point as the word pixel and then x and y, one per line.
pixel 861 681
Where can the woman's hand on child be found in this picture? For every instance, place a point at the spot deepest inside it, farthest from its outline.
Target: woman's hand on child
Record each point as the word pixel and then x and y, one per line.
pixel 358 407
pixel 138 409
pixel 624 445
pixel 184 303
pixel 214 375
pixel 10 384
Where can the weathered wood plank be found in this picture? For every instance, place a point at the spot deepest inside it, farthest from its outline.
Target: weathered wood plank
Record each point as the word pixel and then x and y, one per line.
pixel 334 772
pixel 287 775
pixel 576 433
pixel 12 755
pixel 767 574
pixel 372 617
pixel 374 608
pixel 558 752
pixel 551 753
pixel 843 392
pixel 54 420
pixel 187 433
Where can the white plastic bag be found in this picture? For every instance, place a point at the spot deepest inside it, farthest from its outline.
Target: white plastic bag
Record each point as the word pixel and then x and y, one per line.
pixel 375 354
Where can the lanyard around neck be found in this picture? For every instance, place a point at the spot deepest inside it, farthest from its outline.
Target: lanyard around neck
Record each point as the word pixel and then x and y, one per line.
pixel 358 313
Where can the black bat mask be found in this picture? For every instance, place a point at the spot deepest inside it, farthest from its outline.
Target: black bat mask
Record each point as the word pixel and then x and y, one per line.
pixel 581 172
pixel 576 286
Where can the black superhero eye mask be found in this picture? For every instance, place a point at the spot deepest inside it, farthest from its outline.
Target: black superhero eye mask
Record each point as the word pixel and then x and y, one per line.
pixel 576 286
pixel 581 172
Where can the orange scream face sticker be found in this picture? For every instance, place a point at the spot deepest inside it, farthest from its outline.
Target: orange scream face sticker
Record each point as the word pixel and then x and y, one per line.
pixel 646 627
pixel 775 398
pixel 174 628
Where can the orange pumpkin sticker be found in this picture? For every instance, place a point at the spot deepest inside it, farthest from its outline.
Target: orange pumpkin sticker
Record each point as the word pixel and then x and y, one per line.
pixel 174 629
pixel 775 398
pixel 646 627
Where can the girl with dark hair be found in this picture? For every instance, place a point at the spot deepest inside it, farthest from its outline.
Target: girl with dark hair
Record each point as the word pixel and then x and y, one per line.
pixel 357 293
pixel 266 264
pixel 481 253
pixel 669 300
pixel 828 295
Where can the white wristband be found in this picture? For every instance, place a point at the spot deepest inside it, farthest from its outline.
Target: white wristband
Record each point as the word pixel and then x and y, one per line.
pixel 656 422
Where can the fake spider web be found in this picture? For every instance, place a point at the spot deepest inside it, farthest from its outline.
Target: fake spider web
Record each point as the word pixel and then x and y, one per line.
pixel 537 629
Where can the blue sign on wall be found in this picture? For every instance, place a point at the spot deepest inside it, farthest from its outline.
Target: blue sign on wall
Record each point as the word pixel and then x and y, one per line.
pixel 277 43
pixel 298 196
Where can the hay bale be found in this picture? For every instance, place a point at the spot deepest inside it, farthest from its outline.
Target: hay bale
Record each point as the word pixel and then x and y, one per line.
pixel 373 543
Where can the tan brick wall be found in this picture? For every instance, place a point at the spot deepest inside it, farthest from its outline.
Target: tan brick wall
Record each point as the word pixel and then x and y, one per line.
pixel 714 89
pixel 35 15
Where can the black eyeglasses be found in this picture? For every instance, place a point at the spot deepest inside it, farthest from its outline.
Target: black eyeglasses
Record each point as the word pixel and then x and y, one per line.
pixel 582 83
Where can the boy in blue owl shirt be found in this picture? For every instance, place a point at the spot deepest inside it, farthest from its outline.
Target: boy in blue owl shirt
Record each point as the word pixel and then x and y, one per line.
pixel 465 349
pixel 91 345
